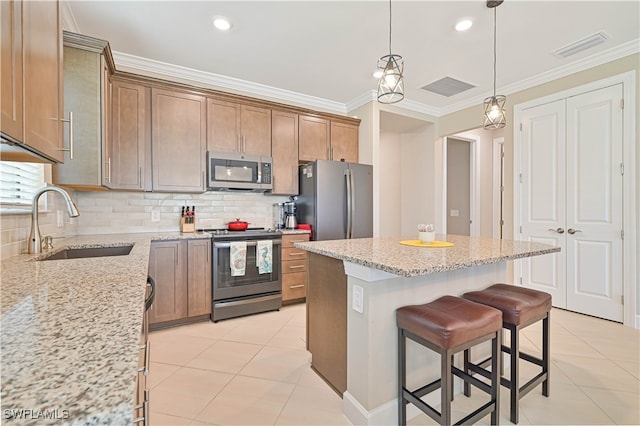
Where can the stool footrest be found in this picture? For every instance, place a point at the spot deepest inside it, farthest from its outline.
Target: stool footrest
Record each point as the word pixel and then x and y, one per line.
pixel 427 389
pixel 523 355
pixel 426 408
pixel 478 414
pixel 531 384
pixel 472 380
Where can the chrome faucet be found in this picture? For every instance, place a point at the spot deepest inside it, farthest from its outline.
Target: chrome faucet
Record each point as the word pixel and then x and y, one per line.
pixel 35 240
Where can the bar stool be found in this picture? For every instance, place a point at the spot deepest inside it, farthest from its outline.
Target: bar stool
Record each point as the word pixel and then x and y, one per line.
pixel 449 325
pixel 520 308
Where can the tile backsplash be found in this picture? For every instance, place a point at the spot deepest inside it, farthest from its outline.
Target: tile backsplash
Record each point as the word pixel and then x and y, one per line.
pixel 112 212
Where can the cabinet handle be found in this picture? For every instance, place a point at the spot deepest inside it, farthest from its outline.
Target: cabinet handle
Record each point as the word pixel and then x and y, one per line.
pixel 298 254
pixel 296 286
pixel 298 241
pixel 296 266
pixel 109 170
pixel 70 121
pixel 145 368
pixel 145 410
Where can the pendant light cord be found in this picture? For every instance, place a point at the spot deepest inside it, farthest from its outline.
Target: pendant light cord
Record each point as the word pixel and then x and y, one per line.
pixel 389 27
pixel 494 51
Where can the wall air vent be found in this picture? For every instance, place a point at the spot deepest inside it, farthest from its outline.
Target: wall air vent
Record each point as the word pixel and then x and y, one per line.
pixel 582 44
pixel 447 86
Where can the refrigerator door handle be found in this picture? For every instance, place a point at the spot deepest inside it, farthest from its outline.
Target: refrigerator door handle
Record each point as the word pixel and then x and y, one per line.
pixel 349 183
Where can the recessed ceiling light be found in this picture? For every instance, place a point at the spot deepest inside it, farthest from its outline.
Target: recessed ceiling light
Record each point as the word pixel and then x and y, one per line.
pixel 221 23
pixel 463 25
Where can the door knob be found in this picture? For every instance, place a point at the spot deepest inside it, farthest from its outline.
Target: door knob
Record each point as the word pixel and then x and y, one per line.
pixel 558 230
pixel 573 231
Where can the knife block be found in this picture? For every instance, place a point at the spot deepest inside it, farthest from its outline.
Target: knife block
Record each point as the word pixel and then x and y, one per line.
pixel 187 227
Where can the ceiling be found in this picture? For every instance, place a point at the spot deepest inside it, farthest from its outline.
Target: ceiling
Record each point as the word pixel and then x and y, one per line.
pixel 325 52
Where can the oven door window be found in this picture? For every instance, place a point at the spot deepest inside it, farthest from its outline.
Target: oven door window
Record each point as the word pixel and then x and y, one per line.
pixel 226 285
pixel 234 171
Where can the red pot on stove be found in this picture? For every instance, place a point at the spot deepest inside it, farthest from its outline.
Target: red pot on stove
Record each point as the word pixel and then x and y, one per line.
pixel 238 225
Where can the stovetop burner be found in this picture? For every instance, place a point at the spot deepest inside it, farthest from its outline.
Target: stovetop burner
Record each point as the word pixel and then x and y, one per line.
pixel 248 233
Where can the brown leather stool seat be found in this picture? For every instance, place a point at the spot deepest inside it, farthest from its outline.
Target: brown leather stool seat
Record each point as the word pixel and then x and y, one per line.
pixel 449 325
pixel 520 308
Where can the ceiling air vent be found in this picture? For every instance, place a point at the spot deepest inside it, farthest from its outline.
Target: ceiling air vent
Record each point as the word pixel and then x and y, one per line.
pixel 447 86
pixel 582 44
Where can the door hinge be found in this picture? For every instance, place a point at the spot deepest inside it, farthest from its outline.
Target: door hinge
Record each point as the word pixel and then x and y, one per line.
pixel 622 299
pixel 521 229
pixel 520 126
pixel 520 280
pixel 520 177
pixel 621 103
pixel 502 222
pixel 502 188
pixel 622 234
pixel 622 168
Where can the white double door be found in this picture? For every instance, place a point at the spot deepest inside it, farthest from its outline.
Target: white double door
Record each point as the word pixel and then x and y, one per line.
pixel 571 196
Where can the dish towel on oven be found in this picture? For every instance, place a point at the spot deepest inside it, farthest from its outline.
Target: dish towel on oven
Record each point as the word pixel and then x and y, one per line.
pixel 264 253
pixel 238 254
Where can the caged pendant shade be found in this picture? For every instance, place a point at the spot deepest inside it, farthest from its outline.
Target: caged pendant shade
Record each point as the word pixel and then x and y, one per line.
pixel 494 111
pixel 391 83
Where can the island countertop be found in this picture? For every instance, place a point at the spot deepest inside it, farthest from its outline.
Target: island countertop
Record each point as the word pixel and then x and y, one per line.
pixel 71 331
pixel 388 255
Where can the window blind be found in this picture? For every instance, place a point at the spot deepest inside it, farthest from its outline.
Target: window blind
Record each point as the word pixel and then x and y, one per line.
pixel 19 181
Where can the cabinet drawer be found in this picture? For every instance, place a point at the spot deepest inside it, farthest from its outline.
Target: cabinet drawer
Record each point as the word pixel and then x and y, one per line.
pixel 288 240
pixel 294 286
pixel 292 266
pixel 293 254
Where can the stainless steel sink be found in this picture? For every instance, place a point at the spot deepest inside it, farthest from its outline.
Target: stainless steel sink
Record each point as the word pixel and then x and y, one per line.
pixel 79 253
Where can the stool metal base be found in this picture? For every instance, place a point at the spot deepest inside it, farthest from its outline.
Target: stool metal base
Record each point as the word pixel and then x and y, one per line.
pixel 445 383
pixel 516 391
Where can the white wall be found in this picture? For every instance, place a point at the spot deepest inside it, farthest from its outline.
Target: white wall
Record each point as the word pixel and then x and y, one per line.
pixel 390 184
pixel 417 180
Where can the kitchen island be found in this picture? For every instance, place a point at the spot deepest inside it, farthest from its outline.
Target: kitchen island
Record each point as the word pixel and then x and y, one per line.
pixel 356 285
pixel 71 332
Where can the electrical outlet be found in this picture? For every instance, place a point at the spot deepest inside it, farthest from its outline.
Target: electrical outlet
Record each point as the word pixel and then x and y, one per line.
pixel 59 218
pixel 358 299
pixel 155 215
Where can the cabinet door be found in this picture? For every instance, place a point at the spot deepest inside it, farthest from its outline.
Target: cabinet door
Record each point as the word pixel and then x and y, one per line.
pixel 344 142
pixel 11 102
pixel 43 97
pixel 223 126
pixel 284 150
pixel 199 277
pixel 168 267
pixel 255 130
pixel 314 138
pixel 82 97
pixel 178 141
pixel 127 157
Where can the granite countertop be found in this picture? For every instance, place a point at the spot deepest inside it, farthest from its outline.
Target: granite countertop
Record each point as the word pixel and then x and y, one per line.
pixel 71 331
pixel 387 254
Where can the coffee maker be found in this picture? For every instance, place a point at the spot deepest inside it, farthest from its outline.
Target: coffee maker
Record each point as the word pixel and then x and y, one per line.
pixel 290 209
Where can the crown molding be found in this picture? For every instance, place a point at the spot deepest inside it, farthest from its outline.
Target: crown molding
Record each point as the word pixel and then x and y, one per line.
pixel 69 22
pixel 629 48
pixel 144 65
pixel 137 63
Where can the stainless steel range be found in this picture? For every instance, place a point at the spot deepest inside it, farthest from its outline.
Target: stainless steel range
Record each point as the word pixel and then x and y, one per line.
pixel 251 291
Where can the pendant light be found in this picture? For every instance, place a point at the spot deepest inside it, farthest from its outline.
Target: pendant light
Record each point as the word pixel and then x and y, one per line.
pixel 390 84
pixel 494 113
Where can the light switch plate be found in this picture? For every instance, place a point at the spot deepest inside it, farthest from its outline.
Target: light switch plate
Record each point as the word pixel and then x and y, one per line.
pixel 455 213
pixel 155 215
pixel 358 299
pixel 59 218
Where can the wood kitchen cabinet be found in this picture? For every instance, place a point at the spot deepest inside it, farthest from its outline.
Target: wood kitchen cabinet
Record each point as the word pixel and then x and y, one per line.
pixel 31 75
pixel 284 150
pixel 294 268
pixel 128 150
pixel 182 273
pixel 314 138
pixel 235 127
pixel 88 66
pixel 344 141
pixel 178 141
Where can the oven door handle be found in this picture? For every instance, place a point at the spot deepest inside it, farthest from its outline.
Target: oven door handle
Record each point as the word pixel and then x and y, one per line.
pixel 227 244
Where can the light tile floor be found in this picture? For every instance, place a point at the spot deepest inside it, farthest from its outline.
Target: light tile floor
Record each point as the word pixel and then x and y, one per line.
pixel 255 370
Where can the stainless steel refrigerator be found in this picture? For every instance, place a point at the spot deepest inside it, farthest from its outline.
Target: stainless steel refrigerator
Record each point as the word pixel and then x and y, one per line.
pixel 336 198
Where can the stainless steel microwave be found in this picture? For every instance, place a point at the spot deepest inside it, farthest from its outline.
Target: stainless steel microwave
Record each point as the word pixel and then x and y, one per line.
pixel 228 171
